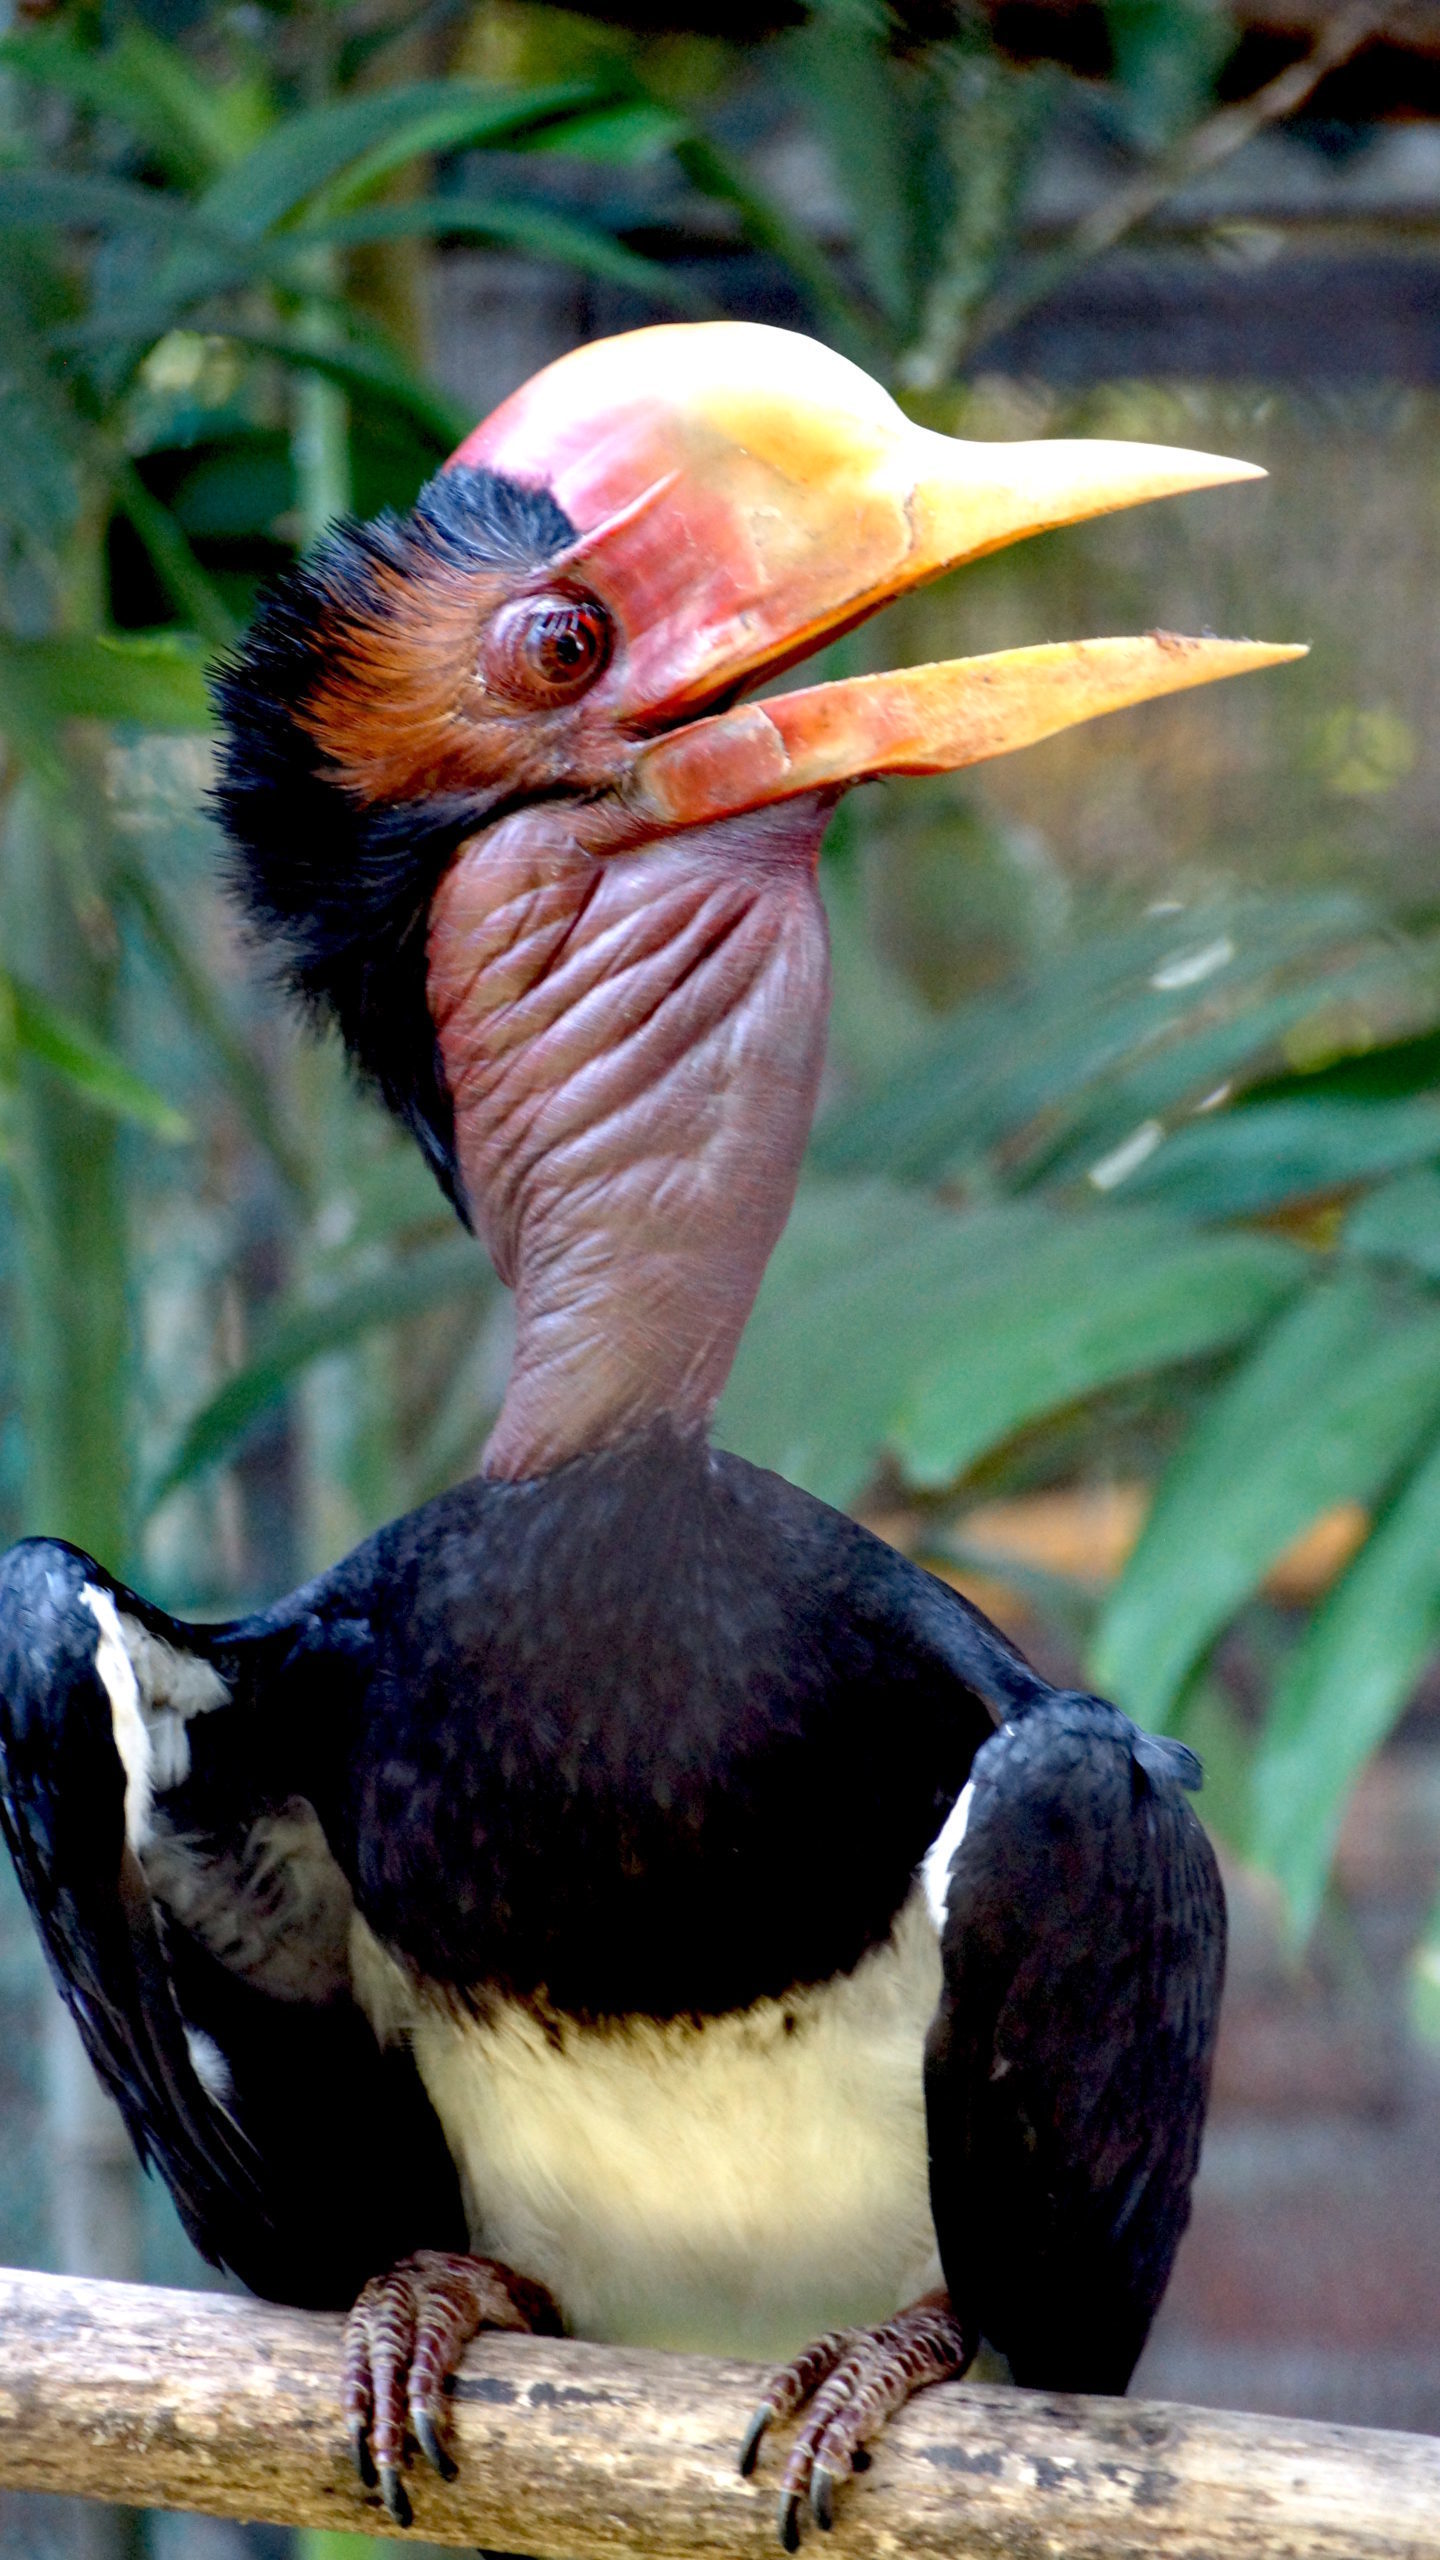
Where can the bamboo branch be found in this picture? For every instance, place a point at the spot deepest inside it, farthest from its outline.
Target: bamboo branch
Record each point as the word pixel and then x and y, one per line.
pixel 571 2452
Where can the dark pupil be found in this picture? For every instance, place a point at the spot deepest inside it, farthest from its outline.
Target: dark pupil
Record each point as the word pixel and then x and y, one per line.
pixel 565 643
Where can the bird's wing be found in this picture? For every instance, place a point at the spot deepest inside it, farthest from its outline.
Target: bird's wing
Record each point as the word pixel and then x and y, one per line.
pixel 1082 1925
pixel 199 1927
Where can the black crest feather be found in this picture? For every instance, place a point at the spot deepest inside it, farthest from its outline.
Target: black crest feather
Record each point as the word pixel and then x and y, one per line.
pixel 343 891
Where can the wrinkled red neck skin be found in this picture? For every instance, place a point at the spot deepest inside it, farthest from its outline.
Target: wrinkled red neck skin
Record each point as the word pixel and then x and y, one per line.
pixel 633 1048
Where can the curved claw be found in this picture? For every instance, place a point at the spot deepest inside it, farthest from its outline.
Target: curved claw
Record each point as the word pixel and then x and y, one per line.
pixel 754 2435
pixel 404 2338
pixel 396 2502
pixel 850 2383
pixel 430 2445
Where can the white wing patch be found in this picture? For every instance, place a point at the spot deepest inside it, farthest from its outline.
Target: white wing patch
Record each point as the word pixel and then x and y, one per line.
pixel 209 2066
pixel 938 1861
pixel 153 1692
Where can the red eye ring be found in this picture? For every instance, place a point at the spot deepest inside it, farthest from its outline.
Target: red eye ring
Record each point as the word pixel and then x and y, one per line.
pixel 546 649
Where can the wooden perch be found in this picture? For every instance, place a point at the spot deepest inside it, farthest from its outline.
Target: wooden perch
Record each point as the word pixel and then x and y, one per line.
pixel 571 2452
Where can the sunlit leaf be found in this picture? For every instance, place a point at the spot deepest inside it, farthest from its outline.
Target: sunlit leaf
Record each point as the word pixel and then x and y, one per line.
pixel 1326 1410
pixel 1192 1069
pixel 299 1336
pixel 1343 1690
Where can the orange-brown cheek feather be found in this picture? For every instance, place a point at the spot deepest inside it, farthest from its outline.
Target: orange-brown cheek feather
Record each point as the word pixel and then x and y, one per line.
pixel 384 711
pixel 401 710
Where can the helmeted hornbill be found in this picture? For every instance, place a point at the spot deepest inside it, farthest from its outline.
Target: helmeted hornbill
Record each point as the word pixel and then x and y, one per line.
pixel 625 1868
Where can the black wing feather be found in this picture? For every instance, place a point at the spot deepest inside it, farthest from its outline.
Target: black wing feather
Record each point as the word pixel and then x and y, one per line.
pixel 323 2160
pixel 1068 2065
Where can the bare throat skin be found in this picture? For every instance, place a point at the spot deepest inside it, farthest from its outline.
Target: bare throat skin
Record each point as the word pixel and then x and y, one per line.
pixel 732 2185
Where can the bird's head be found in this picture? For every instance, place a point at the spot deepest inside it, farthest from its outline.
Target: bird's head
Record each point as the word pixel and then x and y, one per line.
pixel 495 791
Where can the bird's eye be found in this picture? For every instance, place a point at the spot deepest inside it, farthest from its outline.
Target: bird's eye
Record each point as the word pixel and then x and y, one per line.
pixel 546 649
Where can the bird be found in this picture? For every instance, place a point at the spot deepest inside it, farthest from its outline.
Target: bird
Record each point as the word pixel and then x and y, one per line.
pixel 625 1896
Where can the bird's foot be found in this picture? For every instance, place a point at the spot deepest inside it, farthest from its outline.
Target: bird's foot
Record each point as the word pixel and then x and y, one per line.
pixel 402 2344
pixel 851 2383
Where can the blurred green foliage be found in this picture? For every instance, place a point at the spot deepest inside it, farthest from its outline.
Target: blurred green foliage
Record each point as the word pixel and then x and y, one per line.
pixel 1153 1194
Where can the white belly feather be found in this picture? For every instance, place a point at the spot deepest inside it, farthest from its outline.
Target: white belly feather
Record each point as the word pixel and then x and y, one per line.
pixel 737 2185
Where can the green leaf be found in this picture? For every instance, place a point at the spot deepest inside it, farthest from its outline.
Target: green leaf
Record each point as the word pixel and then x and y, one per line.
pixel 1241 1162
pixel 1036 1061
pixel 369 373
pixel 393 1193
pixel 201 1002
pixel 43 199
pixel 85 1062
pixel 190 588
pixel 1423 1983
pixel 887 1321
pixel 1399 1223
pixel 157 681
pixel 1327 1409
pixel 370 135
pixel 208 264
pixel 1098 1299
pixel 1166 55
pixel 626 135
pixel 767 226
pixel 852 86
pixel 193 126
pixel 1344 1688
pixel 532 228
pixel 862 1290
pixel 1170 1081
pixel 1208 1721
pixel 199 125
pixel 299 1336
pixel 1369 1071
pixel 367 367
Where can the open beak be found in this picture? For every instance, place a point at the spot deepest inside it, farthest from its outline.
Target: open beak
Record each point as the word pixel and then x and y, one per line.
pixel 741 495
